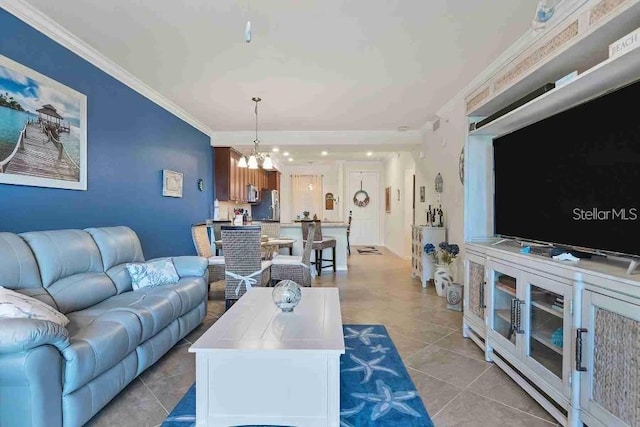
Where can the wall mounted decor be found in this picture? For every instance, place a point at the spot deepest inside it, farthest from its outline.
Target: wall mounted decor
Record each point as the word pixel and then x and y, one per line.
pixel 361 197
pixel 171 183
pixel 201 184
pixel 43 130
pixel 328 201
pixel 422 193
pixel 439 183
pixel 387 200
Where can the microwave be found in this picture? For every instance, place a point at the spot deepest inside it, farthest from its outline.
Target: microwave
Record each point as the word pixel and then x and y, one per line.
pixel 253 195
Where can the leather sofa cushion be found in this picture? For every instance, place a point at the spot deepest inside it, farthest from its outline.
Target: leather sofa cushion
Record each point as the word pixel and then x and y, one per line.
pixel 192 291
pixel 63 253
pixel 102 335
pixel 80 291
pixel 118 246
pixel 70 268
pixel 18 267
pixel 99 341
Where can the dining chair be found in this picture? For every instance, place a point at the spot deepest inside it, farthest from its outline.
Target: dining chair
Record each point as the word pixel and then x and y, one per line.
pixel 349 232
pixel 243 261
pixel 320 243
pixel 272 230
pixel 217 237
pixel 201 241
pixel 297 268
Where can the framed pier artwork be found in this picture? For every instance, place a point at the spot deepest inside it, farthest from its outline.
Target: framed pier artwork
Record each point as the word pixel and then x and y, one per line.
pixel 43 130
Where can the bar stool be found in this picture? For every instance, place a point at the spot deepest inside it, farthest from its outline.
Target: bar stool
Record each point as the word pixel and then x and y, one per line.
pixel 349 233
pixel 320 243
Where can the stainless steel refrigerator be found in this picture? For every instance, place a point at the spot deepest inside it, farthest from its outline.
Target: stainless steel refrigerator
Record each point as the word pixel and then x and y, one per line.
pixel 268 208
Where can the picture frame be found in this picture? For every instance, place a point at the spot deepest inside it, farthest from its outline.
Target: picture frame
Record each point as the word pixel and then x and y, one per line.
pixel 43 130
pixel 172 183
pixel 387 200
pixel 422 194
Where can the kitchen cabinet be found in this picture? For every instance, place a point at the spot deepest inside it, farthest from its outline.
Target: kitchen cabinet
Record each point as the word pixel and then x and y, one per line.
pixel 273 180
pixel 231 181
pixel 225 173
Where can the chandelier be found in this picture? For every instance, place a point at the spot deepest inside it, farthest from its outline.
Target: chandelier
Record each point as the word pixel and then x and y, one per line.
pixel 256 156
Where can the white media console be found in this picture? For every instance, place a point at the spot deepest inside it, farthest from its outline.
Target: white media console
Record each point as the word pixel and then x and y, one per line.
pixel 567 333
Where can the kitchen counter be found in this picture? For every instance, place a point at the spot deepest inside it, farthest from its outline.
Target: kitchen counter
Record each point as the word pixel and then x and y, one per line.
pixel 325 224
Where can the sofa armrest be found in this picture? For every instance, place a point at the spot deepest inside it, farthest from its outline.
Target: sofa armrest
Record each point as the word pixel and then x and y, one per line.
pixel 190 266
pixel 18 335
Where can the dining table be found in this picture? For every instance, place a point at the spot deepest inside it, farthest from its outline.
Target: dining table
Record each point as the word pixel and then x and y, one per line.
pixel 269 247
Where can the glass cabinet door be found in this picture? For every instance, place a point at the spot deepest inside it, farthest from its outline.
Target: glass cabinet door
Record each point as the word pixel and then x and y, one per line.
pixel 504 304
pixel 548 329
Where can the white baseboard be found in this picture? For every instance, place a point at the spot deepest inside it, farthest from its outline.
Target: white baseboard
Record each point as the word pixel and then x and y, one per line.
pixel 392 250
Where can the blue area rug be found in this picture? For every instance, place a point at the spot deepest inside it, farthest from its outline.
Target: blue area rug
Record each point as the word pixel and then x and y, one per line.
pixel 375 387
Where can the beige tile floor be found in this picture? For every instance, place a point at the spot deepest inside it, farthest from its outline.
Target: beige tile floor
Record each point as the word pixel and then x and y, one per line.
pixel 456 385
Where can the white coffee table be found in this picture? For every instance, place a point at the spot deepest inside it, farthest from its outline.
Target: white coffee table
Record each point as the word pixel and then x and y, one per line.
pixel 258 365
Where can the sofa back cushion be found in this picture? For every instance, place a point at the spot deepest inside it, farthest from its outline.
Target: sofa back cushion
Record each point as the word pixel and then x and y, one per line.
pixel 118 246
pixel 70 268
pixel 18 267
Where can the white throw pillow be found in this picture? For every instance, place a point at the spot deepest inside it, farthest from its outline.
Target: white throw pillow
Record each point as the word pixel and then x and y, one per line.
pixel 153 273
pixel 14 305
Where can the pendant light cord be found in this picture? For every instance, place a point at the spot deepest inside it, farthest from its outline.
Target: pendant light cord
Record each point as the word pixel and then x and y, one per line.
pixel 256 141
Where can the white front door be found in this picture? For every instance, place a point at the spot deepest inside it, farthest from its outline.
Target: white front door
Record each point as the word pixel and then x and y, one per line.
pixel 365 224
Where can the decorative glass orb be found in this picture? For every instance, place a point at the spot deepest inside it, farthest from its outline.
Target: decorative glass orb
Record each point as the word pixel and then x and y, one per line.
pixel 286 295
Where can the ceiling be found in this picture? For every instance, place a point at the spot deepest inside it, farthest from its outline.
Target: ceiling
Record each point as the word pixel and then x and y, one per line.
pixel 297 155
pixel 318 65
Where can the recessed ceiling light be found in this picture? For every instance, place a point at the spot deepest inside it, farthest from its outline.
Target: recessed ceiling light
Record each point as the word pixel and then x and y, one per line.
pixel 291 159
pixel 369 153
pixel 275 149
pixel 324 153
pixel 286 153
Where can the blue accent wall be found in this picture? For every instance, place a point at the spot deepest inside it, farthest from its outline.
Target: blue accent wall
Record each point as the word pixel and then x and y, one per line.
pixel 130 141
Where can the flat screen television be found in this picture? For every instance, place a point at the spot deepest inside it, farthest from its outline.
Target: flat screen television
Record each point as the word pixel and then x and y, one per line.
pixel 574 179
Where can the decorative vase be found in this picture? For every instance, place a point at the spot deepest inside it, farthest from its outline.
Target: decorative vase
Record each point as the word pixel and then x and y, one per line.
pixel 442 278
pixel 286 295
pixel 454 296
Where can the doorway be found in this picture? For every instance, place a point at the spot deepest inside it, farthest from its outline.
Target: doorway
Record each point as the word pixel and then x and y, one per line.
pixel 365 226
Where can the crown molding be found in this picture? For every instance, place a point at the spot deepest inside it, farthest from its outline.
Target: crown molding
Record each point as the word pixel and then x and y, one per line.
pixel 41 22
pixel 313 138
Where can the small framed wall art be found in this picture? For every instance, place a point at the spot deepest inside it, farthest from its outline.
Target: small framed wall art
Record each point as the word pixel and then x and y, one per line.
pixel 172 183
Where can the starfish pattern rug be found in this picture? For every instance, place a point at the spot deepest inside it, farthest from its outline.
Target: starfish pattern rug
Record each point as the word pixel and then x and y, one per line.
pixel 375 387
